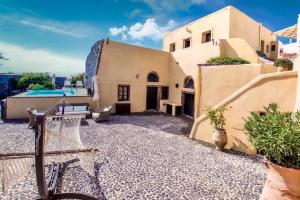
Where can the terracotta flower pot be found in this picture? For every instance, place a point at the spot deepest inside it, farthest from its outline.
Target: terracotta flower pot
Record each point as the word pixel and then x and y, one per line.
pixel 281 69
pixel 220 139
pixel 282 183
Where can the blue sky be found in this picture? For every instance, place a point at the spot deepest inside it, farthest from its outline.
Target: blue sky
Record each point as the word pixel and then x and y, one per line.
pixel 56 35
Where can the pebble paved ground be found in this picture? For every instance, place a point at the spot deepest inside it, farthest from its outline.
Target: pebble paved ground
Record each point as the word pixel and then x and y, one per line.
pixel 145 157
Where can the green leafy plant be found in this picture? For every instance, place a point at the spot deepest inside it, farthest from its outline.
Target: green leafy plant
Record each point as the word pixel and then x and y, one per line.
pixel 276 135
pixel 285 63
pixel 261 54
pixel 76 78
pixel 216 116
pixel 225 60
pixel 36 87
pixel 48 85
pixel 32 78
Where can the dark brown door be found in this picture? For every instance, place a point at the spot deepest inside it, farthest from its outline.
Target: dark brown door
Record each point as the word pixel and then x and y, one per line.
pixel 151 98
pixel 188 108
pixel 262 46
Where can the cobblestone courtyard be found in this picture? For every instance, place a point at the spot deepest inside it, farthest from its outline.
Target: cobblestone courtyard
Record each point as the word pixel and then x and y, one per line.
pixel 145 157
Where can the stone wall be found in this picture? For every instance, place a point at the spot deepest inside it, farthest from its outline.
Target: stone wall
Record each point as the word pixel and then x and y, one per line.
pixel 92 62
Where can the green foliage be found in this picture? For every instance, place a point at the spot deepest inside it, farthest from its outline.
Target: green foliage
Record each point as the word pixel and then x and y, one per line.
pixel 45 85
pixel 225 60
pixel 78 77
pixel 32 78
pixel 216 116
pixel 261 54
pixel 48 85
pixel 36 87
pixel 276 135
pixel 285 63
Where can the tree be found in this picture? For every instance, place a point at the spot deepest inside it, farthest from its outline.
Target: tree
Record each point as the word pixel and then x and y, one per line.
pixel 78 77
pixel 35 78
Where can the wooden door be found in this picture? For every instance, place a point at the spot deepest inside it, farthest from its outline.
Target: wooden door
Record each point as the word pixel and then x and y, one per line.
pixel 151 103
pixel 188 107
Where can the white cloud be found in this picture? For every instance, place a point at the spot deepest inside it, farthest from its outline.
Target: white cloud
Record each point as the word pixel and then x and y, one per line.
pixel 22 59
pixel 124 36
pixel 78 30
pixel 139 31
pixel 134 13
pixel 114 31
pixel 171 5
pixel 74 29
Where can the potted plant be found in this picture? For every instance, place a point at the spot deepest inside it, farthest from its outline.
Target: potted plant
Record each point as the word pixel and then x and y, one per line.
pixel 283 64
pixel 217 120
pixel 276 135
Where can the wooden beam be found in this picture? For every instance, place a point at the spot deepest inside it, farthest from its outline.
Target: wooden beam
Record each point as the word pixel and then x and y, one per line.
pixel 48 153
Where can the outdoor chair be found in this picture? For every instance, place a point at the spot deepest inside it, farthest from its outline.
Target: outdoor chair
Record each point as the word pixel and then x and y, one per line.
pixel 32 117
pixel 103 115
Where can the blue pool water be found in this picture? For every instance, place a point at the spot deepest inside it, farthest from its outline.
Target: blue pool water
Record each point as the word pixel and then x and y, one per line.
pixel 50 93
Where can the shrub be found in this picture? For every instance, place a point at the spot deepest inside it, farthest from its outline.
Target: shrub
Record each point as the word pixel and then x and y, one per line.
pixel 225 60
pixel 216 117
pixel 36 87
pixel 32 78
pixel 276 135
pixel 261 54
pixel 78 77
pixel 285 63
pixel 48 85
pixel 45 85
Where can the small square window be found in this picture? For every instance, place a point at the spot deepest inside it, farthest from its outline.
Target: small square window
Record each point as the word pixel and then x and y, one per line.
pixel 123 92
pixel 187 43
pixel 172 47
pixel 273 47
pixel 164 93
pixel 206 37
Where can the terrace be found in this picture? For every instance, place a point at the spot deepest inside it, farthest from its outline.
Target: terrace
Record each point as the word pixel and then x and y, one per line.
pixel 145 157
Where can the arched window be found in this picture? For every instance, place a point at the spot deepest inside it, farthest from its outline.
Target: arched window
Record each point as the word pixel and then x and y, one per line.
pixel 188 82
pixel 153 77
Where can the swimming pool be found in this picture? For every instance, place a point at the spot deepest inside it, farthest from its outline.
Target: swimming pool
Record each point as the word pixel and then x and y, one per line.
pixel 50 93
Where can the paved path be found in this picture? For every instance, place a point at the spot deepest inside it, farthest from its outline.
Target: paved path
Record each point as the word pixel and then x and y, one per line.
pixel 147 157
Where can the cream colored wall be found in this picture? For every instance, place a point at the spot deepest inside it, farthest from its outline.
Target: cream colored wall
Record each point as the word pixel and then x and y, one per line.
pixel 127 64
pixel 268 37
pixel 184 63
pixel 218 82
pixel 268 68
pixel 163 106
pixel 217 22
pixel 263 90
pixel 296 68
pixel 226 23
pixel 242 26
pixel 296 64
pixel 16 106
pixel 237 47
